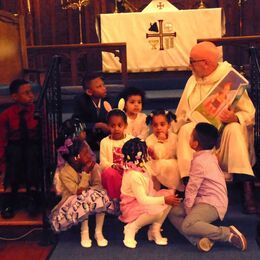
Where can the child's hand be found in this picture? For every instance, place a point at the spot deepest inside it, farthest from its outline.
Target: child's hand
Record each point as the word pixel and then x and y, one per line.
pixel 152 153
pixel 79 191
pixel 89 166
pixel 172 200
pixel 162 137
pixel 118 167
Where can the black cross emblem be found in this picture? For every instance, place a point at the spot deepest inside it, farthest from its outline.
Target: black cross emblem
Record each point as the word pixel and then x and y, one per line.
pixel 160 34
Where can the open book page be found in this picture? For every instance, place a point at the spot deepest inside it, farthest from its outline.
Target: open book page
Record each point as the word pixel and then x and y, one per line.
pixel 225 94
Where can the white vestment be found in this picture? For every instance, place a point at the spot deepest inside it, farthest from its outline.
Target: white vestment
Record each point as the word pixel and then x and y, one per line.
pixel 165 168
pixel 236 151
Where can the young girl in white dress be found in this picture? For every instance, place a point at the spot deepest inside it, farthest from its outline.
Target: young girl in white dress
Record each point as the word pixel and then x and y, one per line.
pixel 111 158
pixel 162 145
pixel 140 204
pixel 136 120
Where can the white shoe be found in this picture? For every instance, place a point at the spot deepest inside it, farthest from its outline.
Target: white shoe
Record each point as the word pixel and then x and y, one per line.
pixel 154 234
pixel 85 240
pixel 129 239
pixel 101 241
pixel 205 244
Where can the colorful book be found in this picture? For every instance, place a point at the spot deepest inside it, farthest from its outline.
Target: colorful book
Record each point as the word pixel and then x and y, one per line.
pixel 225 94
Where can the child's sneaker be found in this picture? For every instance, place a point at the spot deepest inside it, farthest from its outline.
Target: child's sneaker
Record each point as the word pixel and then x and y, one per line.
pixel 237 239
pixel 205 244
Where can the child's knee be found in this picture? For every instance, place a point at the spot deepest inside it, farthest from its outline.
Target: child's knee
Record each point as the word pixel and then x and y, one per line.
pixel 186 226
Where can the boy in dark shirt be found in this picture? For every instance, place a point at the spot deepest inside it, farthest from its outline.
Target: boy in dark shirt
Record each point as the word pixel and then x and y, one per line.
pixel 20 150
pixel 89 108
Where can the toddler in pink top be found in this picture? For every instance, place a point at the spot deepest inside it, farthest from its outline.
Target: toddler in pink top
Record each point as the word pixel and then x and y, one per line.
pixel 205 196
pixel 140 204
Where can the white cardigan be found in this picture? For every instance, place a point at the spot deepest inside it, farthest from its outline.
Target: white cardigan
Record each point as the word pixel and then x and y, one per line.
pixel 106 150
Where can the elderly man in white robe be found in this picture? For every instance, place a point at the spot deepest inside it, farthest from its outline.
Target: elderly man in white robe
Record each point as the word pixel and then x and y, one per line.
pixel 235 154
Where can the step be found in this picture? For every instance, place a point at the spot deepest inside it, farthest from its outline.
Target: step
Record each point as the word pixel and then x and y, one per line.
pixel 21 218
pixel 155 99
pixel 73 90
pixel 163 94
pixel 2 190
pixel 152 80
pixel 69 91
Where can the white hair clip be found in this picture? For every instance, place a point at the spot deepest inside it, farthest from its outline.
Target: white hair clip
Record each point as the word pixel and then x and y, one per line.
pixel 138 155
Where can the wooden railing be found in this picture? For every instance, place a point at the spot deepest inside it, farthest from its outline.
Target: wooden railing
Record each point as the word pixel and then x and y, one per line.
pixel 234 40
pixel 75 51
pixel 48 110
pixel 255 93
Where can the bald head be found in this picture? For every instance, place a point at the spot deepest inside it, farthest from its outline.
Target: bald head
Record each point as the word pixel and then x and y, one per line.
pixel 208 52
pixel 205 50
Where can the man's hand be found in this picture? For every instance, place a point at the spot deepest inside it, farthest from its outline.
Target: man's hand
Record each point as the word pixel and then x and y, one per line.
pixel 228 116
pixel 172 200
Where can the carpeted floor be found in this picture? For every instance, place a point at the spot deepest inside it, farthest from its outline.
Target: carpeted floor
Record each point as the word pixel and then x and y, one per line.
pixel 149 251
pixel 69 246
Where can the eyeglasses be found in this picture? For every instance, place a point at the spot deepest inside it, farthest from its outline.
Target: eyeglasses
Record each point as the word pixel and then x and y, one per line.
pixel 195 61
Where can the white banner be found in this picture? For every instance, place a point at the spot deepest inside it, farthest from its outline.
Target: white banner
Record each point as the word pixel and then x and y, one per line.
pixel 158 41
pixel 159 6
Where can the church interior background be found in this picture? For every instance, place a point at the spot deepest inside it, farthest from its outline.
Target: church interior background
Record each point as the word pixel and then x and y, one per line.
pixel 47 22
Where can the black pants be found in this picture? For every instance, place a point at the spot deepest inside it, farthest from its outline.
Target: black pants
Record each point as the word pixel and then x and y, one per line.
pixel 23 166
pixel 240 178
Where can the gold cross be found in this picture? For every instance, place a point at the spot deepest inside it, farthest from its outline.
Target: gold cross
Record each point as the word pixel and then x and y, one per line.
pixel 160 5
pixel 160 34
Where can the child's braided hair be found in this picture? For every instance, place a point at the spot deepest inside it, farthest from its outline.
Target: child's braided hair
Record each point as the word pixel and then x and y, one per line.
pixel 70 128
pixel 135 150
